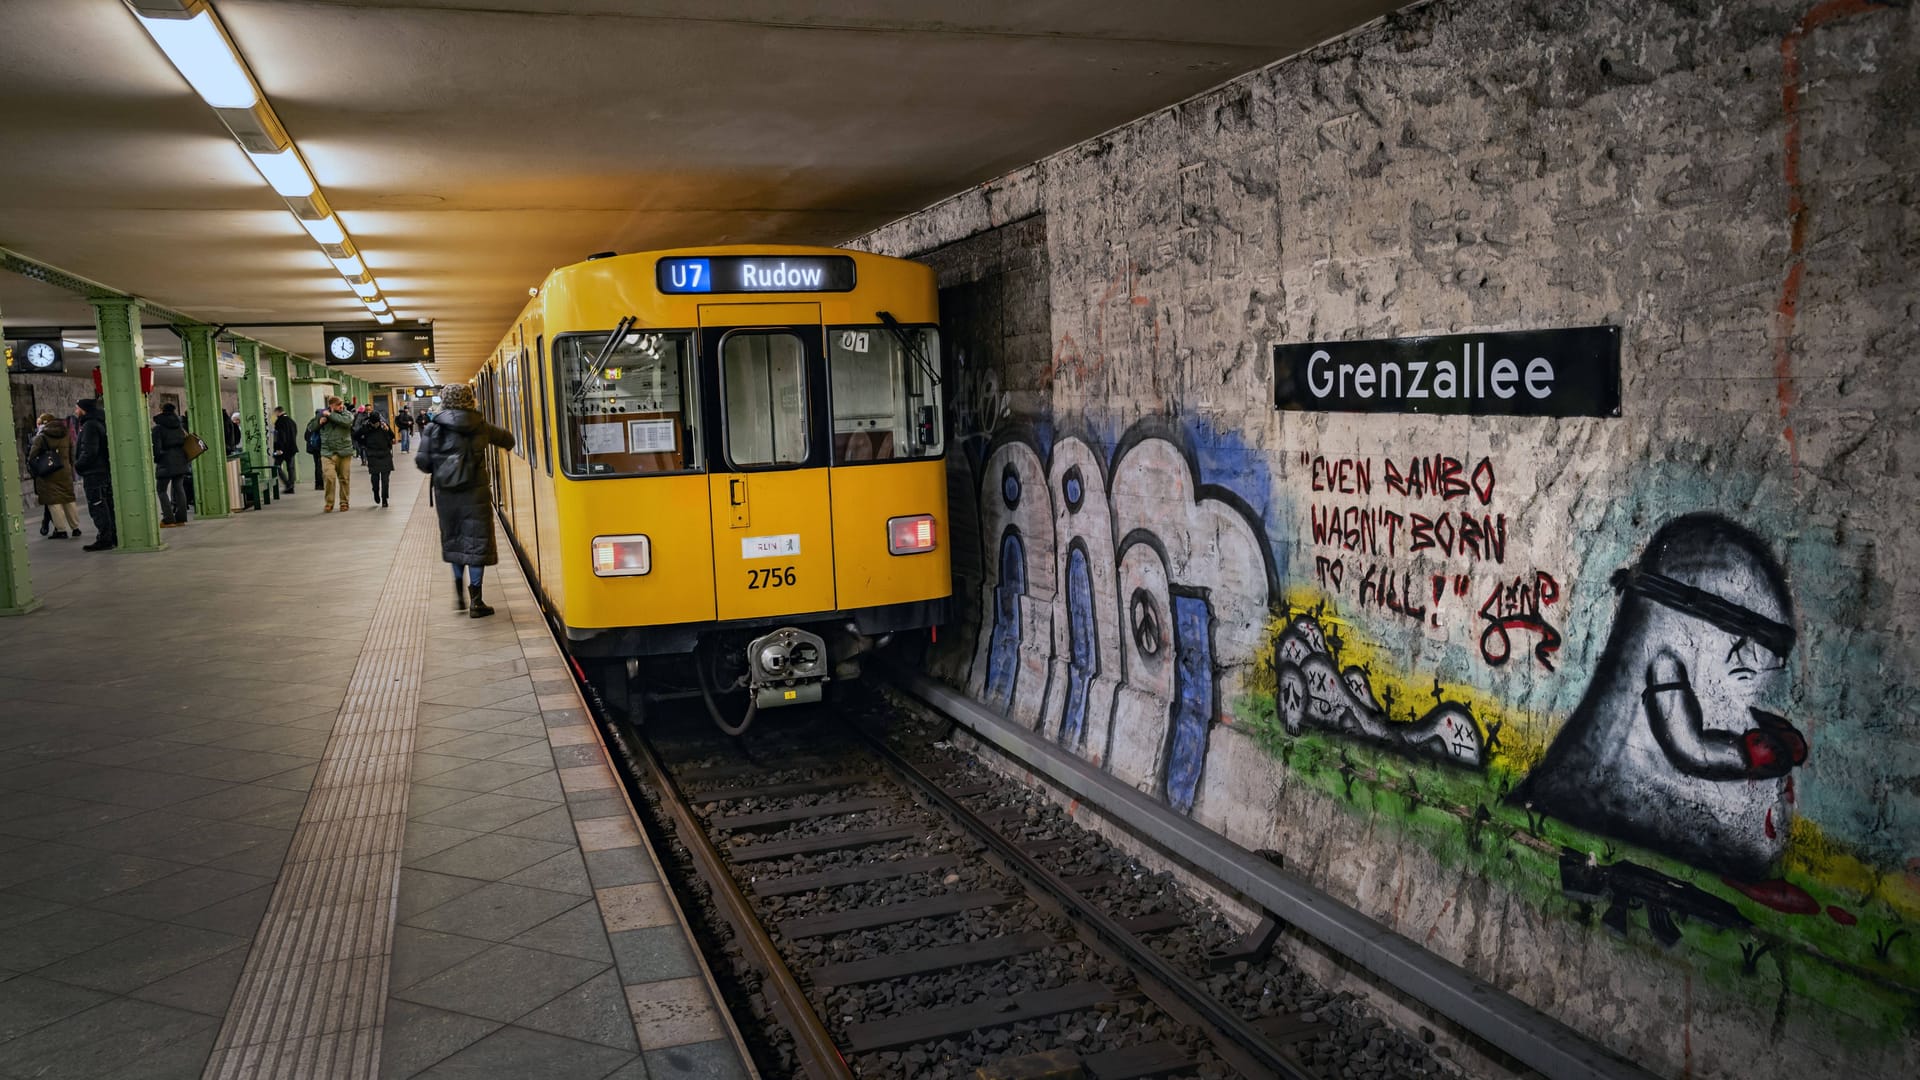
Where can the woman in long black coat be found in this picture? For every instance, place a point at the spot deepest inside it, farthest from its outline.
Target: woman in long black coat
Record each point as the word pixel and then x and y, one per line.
pixel 453 452
pixel 170 466
pixel 376 444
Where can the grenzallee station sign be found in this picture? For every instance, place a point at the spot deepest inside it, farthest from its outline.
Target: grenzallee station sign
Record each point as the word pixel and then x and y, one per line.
pixel 1572 372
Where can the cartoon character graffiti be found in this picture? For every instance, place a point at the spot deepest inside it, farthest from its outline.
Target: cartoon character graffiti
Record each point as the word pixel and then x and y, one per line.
pixel 1313 692
pixel 1669 747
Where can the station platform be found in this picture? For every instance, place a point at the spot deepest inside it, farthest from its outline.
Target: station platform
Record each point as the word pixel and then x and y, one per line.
pixel 269 807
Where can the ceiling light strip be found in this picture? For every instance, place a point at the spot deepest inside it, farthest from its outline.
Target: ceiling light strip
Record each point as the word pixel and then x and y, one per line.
pixel 191 35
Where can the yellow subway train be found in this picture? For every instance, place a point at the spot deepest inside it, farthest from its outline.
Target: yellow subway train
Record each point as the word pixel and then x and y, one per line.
pixel 728 473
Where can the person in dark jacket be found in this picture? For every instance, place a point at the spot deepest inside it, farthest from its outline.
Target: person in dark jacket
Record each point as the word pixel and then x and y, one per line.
pixel 55 490
pixel 453 453
pixel 90 461
pixel 170 466
pixel 376 445
pixel 233 433
pixel 286 443
pixel 403 423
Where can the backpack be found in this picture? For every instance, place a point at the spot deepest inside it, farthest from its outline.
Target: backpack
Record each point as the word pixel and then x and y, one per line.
pixel 313 441
pixel 456 467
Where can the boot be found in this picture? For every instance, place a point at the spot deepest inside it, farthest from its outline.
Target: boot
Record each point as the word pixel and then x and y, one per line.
pixel 476 608
pixel 459 595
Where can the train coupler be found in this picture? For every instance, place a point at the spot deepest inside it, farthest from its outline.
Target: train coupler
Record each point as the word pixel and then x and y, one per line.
pixel 786 667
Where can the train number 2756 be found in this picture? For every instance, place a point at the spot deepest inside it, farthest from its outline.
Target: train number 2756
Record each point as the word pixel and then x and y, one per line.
pixel 772 577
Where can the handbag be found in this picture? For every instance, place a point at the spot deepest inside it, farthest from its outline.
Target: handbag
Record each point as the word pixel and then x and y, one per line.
pixel 194 446
pixel 44 464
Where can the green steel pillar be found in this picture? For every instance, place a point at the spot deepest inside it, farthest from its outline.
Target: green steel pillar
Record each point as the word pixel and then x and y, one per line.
pixel 283 391
pixel 203 407
pixel 253 428
pixel 136 505
pixel 16 581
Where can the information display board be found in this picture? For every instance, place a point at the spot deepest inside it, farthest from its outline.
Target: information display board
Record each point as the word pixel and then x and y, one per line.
pixel 376 344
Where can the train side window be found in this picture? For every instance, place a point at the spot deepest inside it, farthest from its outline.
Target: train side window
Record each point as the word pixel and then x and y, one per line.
pixel 763 377
pixel 526 401
pixel 546 418
pixel 631 411
pixel 886 393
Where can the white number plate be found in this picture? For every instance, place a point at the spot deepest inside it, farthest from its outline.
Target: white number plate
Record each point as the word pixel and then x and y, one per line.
pixel 769 547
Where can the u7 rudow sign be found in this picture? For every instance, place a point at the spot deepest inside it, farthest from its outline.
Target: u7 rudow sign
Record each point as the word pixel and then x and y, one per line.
pixel 1517 373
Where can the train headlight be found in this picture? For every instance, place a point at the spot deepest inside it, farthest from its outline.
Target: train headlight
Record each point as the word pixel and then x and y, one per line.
pixel 622 556
pixel 910 535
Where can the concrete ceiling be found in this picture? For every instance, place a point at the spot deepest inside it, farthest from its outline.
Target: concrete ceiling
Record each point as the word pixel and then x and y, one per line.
pixel 471 145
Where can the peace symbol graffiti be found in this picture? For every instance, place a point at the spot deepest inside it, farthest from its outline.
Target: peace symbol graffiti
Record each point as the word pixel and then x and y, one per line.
pixel 1144 617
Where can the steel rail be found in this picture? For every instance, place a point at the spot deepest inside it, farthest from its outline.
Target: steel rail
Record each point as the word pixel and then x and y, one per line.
pixel 813 1044
pixel 1502 1020
pixel 1206 1008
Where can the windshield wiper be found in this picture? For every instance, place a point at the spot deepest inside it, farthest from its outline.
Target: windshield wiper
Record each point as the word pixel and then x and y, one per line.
pixel 614 340
pixel 911 345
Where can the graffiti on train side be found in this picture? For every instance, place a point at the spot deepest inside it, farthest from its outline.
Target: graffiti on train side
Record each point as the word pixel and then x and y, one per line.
pixel 1112 591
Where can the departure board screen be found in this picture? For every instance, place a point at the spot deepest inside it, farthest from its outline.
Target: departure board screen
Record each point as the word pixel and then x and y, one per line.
pixel 755 273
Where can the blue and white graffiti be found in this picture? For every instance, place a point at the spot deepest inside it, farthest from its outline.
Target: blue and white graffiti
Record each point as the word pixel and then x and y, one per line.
pixel 1173 570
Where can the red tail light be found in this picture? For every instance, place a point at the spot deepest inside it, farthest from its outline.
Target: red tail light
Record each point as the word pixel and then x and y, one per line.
pixel 910 535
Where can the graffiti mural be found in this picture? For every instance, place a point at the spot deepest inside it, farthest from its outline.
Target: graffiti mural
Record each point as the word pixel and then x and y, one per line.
pixel 1110 614
pixel 1311 690
pixel 1669 747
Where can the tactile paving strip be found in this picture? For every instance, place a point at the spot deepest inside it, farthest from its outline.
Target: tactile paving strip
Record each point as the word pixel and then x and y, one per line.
pixel 311 999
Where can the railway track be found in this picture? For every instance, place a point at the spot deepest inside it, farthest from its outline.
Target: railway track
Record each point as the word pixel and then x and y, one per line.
pixel 895 909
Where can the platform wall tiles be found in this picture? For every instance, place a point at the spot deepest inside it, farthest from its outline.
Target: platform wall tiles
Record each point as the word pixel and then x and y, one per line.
pixel 1619 713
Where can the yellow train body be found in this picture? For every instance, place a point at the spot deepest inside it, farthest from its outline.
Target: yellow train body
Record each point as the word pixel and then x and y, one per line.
pixel 774 448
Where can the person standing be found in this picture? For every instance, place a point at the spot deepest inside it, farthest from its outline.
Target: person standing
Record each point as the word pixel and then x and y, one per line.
pixel 170 466
pixel 453 453
pixel 286 443
pixel 313 448
pixel 376 445
pixel 336 448
pixel 90 461
pixel 55 489
pixel 403 423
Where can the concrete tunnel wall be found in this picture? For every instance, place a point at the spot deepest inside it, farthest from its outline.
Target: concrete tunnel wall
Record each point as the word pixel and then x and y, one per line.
pixel 1220 602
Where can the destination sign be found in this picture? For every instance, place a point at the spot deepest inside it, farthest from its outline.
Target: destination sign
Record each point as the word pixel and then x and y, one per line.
pixel 755 273
pixel 377 345
pixel 1573 372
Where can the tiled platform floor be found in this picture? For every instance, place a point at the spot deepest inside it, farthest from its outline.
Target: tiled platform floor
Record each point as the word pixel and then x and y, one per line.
pixel 162 721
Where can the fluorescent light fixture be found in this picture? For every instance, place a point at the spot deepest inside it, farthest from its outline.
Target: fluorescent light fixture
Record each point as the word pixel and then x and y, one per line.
pixel 325 231
pixel 285 172
pixel 384 319
pixel 350 267
pixel 202 54
pixel 366 289
pixel 376 305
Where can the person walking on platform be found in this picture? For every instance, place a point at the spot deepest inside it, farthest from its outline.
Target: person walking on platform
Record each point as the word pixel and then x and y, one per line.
pixel 336 447
pixel 54 489
pixel 403 423
pixel 170 466
pixel 453 453
pixel 376 445
pixel 90 461
pixel 286 443
pixel 313 448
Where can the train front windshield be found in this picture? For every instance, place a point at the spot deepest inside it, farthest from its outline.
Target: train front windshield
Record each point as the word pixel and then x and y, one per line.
pixel 886 393
pixel 629 412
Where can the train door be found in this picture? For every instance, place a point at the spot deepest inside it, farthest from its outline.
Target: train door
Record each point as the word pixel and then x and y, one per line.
pixel 765 373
